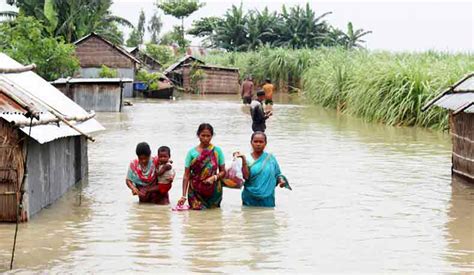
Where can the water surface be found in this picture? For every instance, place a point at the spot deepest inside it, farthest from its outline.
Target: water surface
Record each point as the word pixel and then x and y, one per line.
pixel 366 198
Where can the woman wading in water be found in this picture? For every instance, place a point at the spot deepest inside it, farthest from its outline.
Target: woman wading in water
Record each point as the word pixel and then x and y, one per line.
pixel 261 173
pixel 204 169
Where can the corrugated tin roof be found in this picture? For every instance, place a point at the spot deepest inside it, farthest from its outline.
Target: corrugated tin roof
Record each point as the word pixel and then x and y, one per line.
pixel 9 106
pixel 181 61
pixel 456 101
pixel 466 86
pixel 34 91
pixel 129 49
pixel 457 98
pixel 216 67
pixel 91 80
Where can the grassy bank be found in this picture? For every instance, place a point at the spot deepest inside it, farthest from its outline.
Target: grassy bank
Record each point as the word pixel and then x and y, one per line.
pixel 379 86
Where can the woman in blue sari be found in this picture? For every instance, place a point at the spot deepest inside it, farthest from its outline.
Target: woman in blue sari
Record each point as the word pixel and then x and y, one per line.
pixel 261 173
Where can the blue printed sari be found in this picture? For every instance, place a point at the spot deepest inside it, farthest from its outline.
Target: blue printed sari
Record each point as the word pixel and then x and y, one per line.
pixel 259 189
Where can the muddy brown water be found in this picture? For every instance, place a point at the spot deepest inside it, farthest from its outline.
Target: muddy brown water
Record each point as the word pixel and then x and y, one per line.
pixel 366 198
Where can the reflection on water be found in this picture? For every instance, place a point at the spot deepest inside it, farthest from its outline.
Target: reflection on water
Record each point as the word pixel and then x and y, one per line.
pixel 461 225
pixel 367 198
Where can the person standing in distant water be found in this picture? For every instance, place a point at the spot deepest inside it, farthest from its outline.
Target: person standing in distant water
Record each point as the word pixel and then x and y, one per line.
pixel 247 90
pixel 268 88
pixel 259 116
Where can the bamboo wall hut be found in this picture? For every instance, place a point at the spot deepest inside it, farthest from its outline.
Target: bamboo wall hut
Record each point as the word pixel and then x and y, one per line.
pixel 459 100
pixel 215 79
pixel 93 51
pixel 94 94
pixel 148 62
pixel 175 71
pixel 44 133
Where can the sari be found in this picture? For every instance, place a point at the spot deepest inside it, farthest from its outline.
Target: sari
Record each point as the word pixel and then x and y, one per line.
pixel 145 180
pixel 259 189
pixel 141 176
pixel 202 195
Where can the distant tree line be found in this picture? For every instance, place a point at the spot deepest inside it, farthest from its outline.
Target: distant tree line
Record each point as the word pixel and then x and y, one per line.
pixel 296 27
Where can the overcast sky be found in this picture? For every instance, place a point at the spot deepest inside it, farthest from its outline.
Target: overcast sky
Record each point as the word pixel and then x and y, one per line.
pixel 396 25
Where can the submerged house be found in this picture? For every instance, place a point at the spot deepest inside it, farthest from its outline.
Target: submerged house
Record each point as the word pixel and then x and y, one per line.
pixel 175 71
pixel 213 79
pixel 93 51
pixel 459 100
pixel 94 94
pixel 43 141
pixel 148 62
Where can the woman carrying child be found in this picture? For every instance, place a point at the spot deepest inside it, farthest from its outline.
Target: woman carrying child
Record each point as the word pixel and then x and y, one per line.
pixel 144 172
pixel 204 169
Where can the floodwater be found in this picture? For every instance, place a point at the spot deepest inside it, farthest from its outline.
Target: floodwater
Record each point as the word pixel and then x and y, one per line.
pixel 366 198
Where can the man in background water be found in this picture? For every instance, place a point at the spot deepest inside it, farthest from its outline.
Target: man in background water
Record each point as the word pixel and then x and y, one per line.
pixel 268 88
pixel 259 116
pixel 247 90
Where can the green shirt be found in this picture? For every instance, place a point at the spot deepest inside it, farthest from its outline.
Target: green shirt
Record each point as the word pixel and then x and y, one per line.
pixel 193 153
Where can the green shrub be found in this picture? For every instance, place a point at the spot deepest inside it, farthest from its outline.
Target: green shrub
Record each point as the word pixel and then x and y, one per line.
pixel 106 72
pixel 378 86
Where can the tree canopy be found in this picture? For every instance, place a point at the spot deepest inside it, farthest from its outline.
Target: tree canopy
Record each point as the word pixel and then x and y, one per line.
pixel 23 39
pixel 296 27
pixel 136 36
pixel 179 9
pixel 73 19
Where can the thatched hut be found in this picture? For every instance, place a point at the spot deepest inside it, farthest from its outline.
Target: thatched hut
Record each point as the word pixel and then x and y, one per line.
pixel 459 100
pixel 94 94
pixel 212 79
pixel 93 51
pixel 44 135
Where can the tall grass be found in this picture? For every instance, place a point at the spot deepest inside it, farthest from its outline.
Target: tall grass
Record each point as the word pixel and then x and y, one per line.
pixel 378 86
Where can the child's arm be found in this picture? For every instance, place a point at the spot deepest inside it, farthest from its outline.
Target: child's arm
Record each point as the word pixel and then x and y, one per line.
pixel 164 169
pixel 170 179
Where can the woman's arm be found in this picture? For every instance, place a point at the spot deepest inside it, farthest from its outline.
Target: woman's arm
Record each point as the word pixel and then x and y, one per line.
pixel 131 186
pixel 187 173
pixel 221 173
pixel 245 168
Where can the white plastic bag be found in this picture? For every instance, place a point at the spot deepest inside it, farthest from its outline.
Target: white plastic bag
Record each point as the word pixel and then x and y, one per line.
pixel 234 177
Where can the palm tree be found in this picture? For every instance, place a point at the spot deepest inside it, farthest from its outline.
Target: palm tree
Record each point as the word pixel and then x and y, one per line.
pixel 231 32
pixel 261 28
pixel 352 39
pixel 300 28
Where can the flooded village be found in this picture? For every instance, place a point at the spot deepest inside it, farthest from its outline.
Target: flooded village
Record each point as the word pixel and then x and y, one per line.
pixel 109 148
